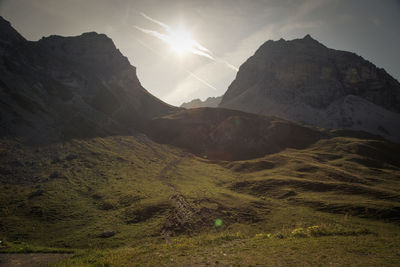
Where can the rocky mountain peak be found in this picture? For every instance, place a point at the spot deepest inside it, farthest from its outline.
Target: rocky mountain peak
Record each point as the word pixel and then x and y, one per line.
pixel 308 37
pixel 210 102
pixel 291 46
pixel 308 40
pixel 300 78
pixel 66 87
pixel 86 42
pixel 7 33
pixel 94 50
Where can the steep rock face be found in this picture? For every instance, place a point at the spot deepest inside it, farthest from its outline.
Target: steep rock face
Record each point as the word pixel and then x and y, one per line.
pixel 302 80
pixel 210 102
pixel 63 87
pixel 9 36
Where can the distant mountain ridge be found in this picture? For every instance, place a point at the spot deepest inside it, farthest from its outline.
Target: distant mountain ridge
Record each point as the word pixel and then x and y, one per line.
pixel 303 80
pixel 210 102
pixel 65 87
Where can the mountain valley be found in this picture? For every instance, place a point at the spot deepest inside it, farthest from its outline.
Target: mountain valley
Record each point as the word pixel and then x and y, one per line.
pixel 94 165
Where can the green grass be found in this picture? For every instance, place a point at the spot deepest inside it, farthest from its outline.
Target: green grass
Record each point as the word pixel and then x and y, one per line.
pixel 85 193
pixel 22 247
pixel 221 248
pixel 61 197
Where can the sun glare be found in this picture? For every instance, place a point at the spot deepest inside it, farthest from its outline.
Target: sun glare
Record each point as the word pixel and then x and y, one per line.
pixel 181 41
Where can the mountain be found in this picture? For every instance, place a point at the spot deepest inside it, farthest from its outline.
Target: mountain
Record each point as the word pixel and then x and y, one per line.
pixel 303 80
pixel 65 87
pixel 223 134
pixel 210 102
pixel 116 176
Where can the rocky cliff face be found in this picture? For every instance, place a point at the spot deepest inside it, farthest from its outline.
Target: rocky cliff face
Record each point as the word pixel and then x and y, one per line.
pixel 63 87
pixel 210 102
pixel 302 80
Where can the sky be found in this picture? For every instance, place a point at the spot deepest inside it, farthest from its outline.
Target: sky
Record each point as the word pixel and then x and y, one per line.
pixel 230 31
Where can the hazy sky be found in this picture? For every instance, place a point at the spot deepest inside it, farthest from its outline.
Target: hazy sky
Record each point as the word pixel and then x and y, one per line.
pixel 230 29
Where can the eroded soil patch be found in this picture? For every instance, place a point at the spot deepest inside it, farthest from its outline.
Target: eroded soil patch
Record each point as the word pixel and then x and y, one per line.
pixel 30 259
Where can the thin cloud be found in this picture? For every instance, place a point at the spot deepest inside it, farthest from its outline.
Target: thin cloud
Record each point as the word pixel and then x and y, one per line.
pixel 188 72
pixel 165 26
pixel 188 44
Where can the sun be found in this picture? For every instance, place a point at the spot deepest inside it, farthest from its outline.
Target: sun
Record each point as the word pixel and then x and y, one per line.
pixel 181 41
pixel 178 39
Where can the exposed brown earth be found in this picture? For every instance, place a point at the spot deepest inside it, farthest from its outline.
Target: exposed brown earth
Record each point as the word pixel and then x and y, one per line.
pixel 30 259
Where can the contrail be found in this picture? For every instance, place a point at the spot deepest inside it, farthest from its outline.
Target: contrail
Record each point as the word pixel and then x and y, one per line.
pixel 170 31
pixel 200 80
pixel 188 72
pixel 173 39
pixel 193 47
pixel 227 64
pixel 165 26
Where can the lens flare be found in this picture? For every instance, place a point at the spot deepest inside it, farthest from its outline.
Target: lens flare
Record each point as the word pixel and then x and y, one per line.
pixel 218 223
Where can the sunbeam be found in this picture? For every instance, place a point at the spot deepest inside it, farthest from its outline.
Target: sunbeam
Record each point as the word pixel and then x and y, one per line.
pixel 181 41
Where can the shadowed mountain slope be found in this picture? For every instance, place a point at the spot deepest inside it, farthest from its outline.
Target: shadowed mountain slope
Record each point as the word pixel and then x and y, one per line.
pixel 230 134
pixel 63 87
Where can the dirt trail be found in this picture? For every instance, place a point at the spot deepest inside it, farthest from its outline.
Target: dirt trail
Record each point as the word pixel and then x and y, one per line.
pixel 180 217
pixel 163 173
pixel 30 259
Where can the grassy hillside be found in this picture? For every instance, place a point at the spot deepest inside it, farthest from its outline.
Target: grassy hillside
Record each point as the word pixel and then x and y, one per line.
pixel 66 194
pixel 337 201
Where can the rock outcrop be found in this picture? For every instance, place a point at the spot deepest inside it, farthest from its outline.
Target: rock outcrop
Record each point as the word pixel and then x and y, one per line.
pixel 65 87
pixel 304 81
pixel 210 102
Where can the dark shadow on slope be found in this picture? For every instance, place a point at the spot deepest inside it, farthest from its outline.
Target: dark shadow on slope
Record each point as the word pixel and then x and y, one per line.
pixel 263 187
pixel 222 134
pixel 249 166
pixel 390 214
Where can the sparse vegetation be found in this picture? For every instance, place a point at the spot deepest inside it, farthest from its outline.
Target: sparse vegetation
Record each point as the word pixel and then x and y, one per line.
pixel 314 205
pixel 81 183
